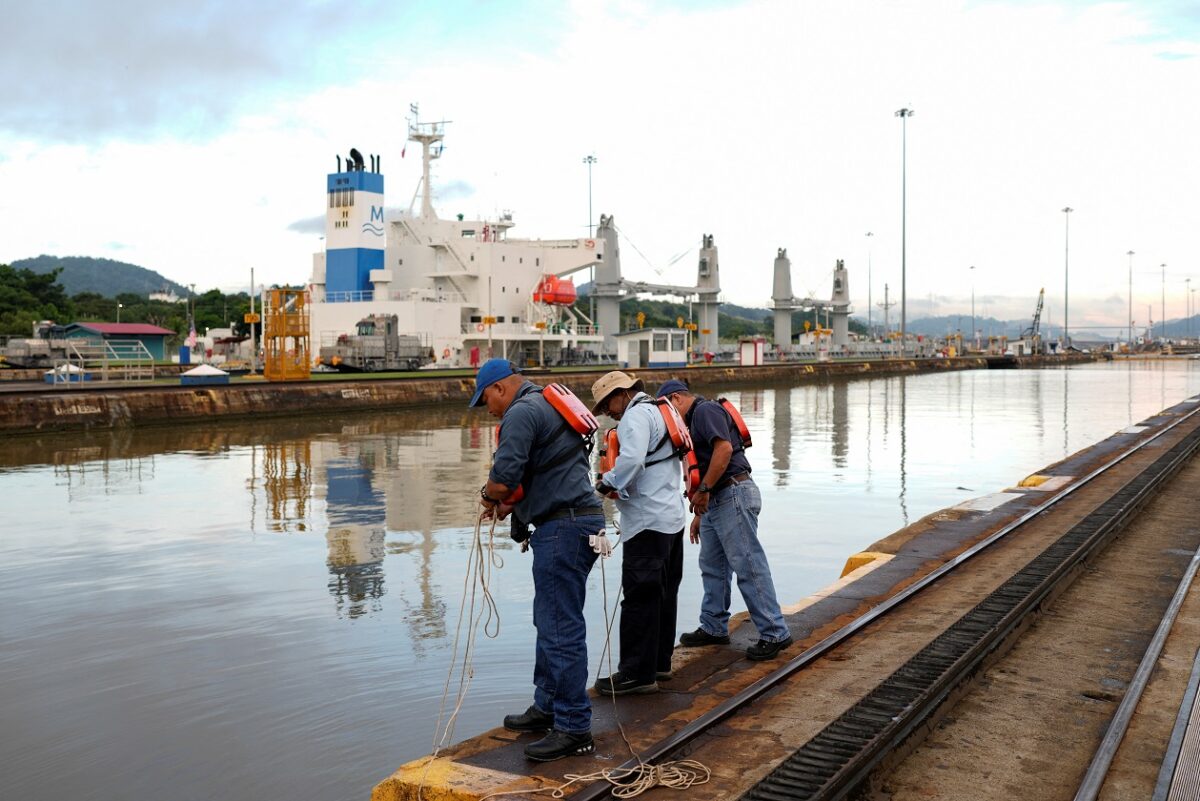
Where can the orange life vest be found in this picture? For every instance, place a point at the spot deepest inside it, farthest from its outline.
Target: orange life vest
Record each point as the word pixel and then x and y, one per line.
pixel 738 422
pixel 676 433
pixel 578 418
pixel 691 479
pixel 610 448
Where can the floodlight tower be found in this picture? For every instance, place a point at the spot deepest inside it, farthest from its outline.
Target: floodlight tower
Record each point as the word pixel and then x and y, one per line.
pixel 904 114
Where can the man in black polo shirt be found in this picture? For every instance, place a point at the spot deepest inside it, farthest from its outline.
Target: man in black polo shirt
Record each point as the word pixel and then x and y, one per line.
pixel 538 451
pixel 727 504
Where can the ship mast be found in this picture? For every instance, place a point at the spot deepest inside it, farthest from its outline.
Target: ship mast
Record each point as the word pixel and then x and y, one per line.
pixel 430 135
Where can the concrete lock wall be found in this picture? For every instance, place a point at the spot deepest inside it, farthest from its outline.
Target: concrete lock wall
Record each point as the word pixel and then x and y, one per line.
pixel 86 408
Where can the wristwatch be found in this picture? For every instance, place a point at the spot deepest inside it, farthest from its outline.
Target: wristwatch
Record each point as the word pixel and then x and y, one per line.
pixel 704 488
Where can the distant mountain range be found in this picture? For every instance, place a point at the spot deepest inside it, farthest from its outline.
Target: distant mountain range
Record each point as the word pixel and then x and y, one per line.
pixel 103 276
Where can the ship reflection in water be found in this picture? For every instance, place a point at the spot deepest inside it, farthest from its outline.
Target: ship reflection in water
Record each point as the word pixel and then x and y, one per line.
pixel 267 609
pixel 376 481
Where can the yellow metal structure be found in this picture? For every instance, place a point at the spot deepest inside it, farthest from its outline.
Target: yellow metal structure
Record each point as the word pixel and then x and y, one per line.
pixel 287 355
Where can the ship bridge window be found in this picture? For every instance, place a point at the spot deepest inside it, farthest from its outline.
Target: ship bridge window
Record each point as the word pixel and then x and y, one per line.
pixel 468 233
pixel 500 319
pixel 475 318
pixel 516 319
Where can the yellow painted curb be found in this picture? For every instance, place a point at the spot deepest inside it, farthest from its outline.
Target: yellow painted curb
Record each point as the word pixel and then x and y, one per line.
pixel 447 780
pixel 1033 481
pixel 864 558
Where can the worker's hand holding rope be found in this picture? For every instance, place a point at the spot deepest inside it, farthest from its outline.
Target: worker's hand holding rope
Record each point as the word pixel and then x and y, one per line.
pixel 600 544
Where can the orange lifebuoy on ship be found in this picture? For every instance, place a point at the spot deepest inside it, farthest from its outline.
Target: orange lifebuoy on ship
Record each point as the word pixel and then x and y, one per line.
pixel 446 353
pixel 589 243
pixel 479 328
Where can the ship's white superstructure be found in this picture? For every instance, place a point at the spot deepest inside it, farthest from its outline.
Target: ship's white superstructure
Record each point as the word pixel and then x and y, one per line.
pixel 466 287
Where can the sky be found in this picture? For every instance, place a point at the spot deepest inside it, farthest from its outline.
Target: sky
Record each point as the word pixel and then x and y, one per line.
pixel 194 138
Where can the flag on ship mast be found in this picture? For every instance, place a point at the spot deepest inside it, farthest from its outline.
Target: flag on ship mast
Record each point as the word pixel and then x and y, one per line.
pixel 191 337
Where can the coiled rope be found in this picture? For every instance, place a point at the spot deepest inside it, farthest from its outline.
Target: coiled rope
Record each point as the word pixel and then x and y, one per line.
pixel 626 782
pixel 632 781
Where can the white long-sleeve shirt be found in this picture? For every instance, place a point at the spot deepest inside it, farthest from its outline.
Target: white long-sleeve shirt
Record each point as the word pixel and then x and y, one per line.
pixel 648 498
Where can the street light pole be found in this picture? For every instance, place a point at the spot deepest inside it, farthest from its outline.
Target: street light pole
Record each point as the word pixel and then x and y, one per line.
pixel 1187 305
pixel 1162 324
pixel 904 114
pixel 1129 341
pixel 870 328
pixel 974 335
pixel 589 160
pixel 119 307
pixel 1067 278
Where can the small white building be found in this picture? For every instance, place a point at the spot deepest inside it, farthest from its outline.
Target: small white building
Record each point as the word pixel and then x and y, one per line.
pixel 653 347
pixel 751 350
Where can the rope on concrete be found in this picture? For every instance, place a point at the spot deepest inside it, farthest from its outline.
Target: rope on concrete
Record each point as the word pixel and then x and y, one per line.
pixel 627 782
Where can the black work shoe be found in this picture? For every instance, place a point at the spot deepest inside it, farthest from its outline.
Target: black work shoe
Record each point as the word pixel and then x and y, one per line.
pixel 620 684
pixel 694 639
pixel 559 744
pixel 664 675
pixel 764 649
pixel 532 719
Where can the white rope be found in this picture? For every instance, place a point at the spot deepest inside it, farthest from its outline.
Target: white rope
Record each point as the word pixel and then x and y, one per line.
pixel 626 782
pixel 476 581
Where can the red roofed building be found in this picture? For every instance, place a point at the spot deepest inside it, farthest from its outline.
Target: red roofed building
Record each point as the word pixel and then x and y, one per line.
pixel 152 336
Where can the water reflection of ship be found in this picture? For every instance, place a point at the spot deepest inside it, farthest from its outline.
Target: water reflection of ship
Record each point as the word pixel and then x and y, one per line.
pixel 356 513
pixel 378 483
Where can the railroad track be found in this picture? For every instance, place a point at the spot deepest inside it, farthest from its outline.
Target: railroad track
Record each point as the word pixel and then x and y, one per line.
pixel 841 758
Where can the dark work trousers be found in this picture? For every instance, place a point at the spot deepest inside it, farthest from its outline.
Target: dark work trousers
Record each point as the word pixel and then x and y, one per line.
pixel 651 570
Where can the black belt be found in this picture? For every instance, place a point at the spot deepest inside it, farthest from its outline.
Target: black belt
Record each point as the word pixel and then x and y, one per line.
pixel 562 514
pixel 728 482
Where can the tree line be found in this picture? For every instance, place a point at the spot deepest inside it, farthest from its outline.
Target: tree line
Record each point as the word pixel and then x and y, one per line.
pixel 27 297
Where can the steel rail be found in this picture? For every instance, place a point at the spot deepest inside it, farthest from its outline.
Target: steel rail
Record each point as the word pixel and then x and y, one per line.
pixel 887 716
pixel 1097 772
pixel 672 743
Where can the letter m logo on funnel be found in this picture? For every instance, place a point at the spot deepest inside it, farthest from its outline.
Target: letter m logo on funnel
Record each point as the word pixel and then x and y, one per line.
pixel 371 227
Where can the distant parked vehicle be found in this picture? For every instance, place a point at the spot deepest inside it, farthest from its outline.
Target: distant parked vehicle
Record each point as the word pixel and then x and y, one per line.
pixel 375 347
pixel 47 345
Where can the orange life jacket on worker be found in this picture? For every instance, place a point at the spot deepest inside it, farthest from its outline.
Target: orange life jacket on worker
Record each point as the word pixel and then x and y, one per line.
pixel 576 417
pixel 693 479
pixel 676 434
pixel 738 422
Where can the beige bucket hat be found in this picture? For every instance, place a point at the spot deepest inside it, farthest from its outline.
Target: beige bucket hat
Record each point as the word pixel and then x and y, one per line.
pixel 609 383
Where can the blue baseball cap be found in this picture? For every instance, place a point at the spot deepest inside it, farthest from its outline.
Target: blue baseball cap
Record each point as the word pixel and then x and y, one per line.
pixel 492 371
pixel 672 386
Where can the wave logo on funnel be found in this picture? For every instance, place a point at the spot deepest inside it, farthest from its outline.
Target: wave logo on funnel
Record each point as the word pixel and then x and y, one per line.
pixel 371 228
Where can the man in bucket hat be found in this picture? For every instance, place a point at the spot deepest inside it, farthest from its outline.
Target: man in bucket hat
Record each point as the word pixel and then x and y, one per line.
pixel 646 477
pixel 538 452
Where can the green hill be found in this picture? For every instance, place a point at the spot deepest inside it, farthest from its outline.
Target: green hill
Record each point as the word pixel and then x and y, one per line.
pixel 103 276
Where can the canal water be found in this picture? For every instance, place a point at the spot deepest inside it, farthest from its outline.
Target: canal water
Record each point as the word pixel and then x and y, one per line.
pixel 267 610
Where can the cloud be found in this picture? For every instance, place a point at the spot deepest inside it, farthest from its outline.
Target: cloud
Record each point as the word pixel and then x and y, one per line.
pixel 454 190
pixel 309 225
pixel 80 71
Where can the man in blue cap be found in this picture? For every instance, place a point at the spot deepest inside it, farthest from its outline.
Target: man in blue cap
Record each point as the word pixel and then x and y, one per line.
pixel 728 503
pixel 540 452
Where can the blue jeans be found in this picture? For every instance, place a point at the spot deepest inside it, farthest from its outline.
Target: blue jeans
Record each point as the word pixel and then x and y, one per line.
pixel 562 560
pixel 729 545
